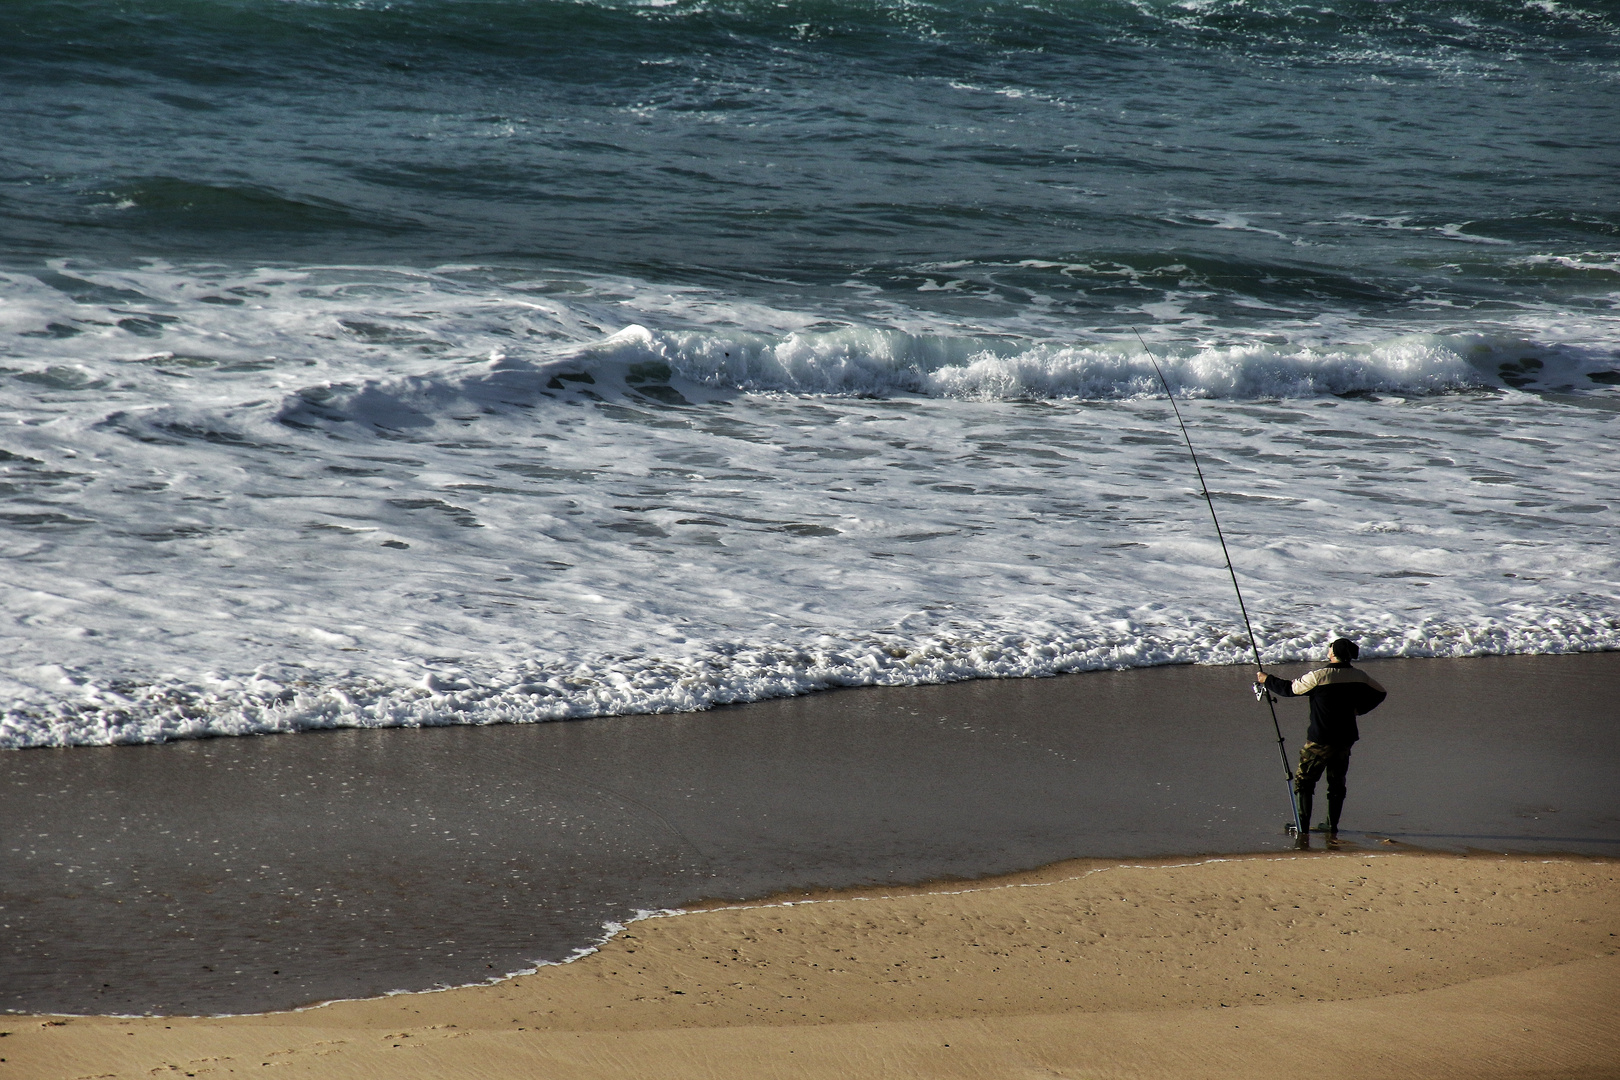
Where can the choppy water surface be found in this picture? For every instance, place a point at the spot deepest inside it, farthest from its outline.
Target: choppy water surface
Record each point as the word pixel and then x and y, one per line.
pixel 477 361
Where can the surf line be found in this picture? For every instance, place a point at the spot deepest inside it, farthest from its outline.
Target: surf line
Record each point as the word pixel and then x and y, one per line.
pixel 1203 489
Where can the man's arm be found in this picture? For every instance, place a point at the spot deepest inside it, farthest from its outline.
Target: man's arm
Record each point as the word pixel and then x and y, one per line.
pixel 1372 695
pixel 1280 687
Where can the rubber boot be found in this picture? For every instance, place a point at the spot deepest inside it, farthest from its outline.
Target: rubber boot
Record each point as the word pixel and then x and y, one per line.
pixel 1306 798
pixel 1335 808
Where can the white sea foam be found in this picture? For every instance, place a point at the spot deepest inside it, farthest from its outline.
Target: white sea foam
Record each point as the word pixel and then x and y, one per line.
pixel 379 497
pixel 861 360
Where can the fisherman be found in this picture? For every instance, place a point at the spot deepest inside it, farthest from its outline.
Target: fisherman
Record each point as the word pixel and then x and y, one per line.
pixel 1339 693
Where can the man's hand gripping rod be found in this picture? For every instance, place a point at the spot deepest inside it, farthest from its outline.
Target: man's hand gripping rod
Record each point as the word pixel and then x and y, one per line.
pixel 1203 489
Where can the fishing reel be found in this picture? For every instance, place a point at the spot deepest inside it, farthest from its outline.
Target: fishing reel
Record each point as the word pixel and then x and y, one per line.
pixel 1261 691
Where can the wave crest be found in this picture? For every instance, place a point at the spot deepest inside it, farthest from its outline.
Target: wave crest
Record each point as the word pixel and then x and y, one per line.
pixel 857 361
pixel 682 368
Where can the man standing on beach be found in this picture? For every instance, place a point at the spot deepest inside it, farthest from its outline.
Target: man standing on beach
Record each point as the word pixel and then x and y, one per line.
pixel 1339 693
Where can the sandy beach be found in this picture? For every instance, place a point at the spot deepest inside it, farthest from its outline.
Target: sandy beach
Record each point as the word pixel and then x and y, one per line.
pixel 1361 964
pixel 262 874
pixel 1476 937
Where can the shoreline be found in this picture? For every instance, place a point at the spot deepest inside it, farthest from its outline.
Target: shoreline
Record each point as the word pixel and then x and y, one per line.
pixel 831 688
pixel 1060 872
pixel 1121 969
pixel 247 875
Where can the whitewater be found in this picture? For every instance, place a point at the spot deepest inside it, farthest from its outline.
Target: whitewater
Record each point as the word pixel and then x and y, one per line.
pixel 277 499
pixel 444 362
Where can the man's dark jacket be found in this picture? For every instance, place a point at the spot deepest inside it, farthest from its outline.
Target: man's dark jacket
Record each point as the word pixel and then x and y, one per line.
pixel 1339 693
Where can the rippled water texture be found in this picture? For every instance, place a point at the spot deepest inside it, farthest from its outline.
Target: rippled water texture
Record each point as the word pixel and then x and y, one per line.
pixel 426 362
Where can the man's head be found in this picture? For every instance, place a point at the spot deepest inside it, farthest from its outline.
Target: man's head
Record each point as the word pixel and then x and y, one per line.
pixel 1343 650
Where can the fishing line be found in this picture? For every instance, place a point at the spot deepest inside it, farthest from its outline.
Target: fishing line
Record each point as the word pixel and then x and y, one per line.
pixel 1203 489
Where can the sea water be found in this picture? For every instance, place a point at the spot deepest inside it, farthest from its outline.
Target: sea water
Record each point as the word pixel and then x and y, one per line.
pixel 468 361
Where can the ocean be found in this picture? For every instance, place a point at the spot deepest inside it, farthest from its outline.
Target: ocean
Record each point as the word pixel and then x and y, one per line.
pixel 473 361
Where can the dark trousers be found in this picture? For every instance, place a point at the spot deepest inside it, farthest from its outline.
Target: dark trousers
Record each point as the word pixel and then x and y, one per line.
pixel 1314 760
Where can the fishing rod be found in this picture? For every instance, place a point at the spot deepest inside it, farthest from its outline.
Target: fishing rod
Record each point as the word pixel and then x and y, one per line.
pixel 1203 489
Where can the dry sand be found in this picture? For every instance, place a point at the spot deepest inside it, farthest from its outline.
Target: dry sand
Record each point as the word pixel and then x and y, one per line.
pixel 1357 964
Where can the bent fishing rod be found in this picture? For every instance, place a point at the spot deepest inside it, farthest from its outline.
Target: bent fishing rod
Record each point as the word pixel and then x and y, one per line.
pixel 1203 489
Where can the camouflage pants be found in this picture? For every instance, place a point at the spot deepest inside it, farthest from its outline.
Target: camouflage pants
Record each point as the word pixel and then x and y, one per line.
pixel 1314 759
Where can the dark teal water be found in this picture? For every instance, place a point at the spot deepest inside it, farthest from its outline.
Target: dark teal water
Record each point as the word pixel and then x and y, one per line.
pixel 1373 157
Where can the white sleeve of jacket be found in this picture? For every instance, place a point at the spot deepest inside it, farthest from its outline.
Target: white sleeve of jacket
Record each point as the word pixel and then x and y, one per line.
pixel 1325 676
pixel 1308 682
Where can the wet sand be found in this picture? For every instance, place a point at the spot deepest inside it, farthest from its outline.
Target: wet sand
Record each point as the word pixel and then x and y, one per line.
pixel 241 875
